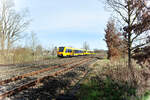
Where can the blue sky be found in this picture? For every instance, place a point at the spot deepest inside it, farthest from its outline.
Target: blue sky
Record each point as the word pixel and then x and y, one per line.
pixel 67 22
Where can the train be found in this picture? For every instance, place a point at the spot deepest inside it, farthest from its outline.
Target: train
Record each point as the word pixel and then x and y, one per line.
pixel 71 52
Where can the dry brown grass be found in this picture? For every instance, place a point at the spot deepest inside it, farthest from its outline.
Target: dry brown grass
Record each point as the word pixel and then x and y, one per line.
pixel 119 71
pixel 19 56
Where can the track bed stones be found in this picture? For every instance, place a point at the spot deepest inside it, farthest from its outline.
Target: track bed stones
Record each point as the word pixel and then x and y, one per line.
pixel 58 87
pixel 11 71
pixel 50 83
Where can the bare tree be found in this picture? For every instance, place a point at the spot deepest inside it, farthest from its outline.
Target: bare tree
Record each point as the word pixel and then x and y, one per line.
pixel 33 43
pixel 135 16
pixel 12 24
pixel 86 45
pixel 39 49
pixel 39 52
pixel 53 50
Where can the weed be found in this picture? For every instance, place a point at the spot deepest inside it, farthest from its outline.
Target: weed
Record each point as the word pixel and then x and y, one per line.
pixel 108 89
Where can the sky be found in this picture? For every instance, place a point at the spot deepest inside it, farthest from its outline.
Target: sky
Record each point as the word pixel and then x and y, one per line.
pixel 67 22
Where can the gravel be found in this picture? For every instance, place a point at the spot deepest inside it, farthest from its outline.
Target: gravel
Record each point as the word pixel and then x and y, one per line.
pixel 53 87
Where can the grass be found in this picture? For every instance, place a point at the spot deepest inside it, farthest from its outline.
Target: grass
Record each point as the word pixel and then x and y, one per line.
pixel 107 89
pixel 50 57
pixel 108 81
pixel 146 96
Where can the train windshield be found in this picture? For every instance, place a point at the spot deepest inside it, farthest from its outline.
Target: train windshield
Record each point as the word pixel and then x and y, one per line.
pixel 61 49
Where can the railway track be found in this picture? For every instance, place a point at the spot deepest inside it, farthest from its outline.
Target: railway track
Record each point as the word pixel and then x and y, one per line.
pixel 8 72
pixel 16 84
pixel 34 73
pixel 28 65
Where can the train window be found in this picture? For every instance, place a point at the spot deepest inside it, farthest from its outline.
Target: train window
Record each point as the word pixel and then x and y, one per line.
pixel 81 51
pixel 76 51
pixel 69 50
pixel 66 50
pixel 61 49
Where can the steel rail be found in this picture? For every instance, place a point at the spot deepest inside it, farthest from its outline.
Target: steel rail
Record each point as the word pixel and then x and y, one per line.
pixel 32 73
pixel 37 81
pixel 25 67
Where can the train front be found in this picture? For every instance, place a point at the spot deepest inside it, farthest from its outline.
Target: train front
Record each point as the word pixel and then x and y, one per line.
pixel 60 51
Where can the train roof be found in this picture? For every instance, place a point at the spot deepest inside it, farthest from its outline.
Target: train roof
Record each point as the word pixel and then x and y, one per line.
pixel 74 48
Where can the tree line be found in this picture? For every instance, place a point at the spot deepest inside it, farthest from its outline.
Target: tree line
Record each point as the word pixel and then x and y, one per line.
pixel 13 25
